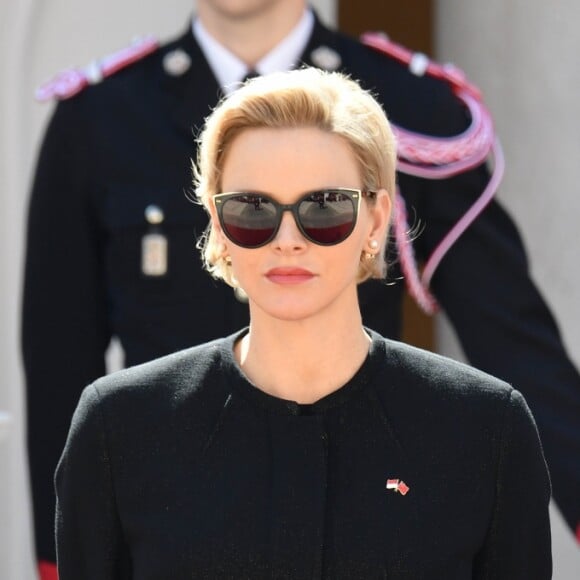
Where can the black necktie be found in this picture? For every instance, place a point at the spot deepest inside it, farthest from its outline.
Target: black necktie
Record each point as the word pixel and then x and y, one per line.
pixel 251 74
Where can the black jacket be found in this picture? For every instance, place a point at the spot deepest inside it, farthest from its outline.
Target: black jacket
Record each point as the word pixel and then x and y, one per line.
pixel 128 142
pixel 180 468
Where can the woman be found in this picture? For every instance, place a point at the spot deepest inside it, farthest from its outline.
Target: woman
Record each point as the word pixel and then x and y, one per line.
pixel 305 446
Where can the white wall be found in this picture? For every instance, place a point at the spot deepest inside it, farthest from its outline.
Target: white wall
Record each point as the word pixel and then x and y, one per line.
pixel 37 39
pixel 524 55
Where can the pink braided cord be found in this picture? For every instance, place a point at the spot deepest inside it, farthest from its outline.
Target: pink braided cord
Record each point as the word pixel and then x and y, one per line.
pixel 428 156
pixel 470 216
pixel 431 157
pixel 418 291
pixel 418 285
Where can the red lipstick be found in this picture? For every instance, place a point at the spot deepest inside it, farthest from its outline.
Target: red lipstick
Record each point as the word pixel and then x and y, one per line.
pixel 289 275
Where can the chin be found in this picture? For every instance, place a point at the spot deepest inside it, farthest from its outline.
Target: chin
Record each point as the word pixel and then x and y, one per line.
pixel 285 310
pixel 291 314
pixel 240 8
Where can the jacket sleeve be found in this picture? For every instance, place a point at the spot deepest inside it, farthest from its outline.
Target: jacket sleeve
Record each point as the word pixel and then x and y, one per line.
pixel 504 325
pixel 88 531
pixel 64 320
pixel 518 543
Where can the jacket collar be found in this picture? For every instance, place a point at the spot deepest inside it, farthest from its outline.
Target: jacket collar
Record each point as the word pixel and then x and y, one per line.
pixel 196 91
pixel 322 50
pixel 193 93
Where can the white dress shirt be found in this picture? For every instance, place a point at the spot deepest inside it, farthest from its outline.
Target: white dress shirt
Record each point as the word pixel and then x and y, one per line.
pixel 229 70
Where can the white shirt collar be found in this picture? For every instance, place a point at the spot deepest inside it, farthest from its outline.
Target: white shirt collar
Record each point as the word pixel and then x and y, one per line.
pixel 229 70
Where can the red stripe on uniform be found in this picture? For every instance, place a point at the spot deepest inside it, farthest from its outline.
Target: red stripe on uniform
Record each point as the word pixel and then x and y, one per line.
pixel 47 571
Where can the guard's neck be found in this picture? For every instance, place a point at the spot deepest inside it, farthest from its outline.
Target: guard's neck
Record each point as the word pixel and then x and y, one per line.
pixel 251 34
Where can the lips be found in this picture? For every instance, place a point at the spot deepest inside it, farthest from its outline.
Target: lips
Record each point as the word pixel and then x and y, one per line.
pixel 289 275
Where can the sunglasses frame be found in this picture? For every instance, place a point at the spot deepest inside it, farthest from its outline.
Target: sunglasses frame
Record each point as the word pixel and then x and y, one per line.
pixel 355 195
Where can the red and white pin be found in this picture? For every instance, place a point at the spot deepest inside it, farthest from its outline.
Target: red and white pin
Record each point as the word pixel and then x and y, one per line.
pixel 398 486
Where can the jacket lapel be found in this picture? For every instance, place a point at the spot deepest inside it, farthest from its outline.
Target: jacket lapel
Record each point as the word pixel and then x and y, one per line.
pixel 192 94
pixel 323 50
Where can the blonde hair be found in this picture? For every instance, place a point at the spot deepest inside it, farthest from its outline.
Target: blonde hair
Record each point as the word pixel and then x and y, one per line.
pixel 302 98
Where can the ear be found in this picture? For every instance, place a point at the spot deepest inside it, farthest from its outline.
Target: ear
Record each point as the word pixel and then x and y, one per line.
pixel 380 213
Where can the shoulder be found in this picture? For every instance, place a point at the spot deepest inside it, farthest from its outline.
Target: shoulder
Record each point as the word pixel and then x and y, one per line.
pixel 170 377
pixel 418 64
pixel 70 82
pixel 374 56
pixel 419 377
pixel 180 388
pixel 180 384
pixel 460 410
pixel 418 93
pixel 144 56
pixel 152 405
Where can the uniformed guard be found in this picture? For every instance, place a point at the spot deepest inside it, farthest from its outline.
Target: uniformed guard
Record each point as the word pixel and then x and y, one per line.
pixel 111 233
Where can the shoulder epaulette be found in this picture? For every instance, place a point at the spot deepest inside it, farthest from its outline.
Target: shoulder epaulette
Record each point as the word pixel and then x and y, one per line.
pixel 70 82
pixel 431 157
pixel 420 64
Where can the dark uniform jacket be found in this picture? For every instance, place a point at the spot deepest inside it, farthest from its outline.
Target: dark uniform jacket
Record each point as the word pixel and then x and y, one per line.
pixel 127 143
pixel 180 468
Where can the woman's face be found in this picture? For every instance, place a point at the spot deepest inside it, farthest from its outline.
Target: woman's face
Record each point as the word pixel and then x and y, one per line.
pixel 291 278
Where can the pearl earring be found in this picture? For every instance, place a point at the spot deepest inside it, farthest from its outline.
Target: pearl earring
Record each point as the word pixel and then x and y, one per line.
pixel 374 244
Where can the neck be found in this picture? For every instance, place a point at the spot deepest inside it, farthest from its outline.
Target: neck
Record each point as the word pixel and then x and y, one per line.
pixel 251 34
pixel 302 361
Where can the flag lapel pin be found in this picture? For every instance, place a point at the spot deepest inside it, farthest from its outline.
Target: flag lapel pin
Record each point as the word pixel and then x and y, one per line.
pixel 398 486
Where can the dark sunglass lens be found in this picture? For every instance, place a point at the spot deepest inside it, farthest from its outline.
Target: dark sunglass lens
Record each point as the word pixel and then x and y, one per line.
pixel 327 217
pixel 249 220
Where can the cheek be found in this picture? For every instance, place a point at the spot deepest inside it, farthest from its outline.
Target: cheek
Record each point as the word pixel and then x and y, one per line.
pixel 244 265
pixel 364 222
pixel 359 237
pixel 344 262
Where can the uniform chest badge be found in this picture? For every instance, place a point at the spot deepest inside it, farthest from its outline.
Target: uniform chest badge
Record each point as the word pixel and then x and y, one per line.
pixel 154 244
pixel 176 63
pixel 326 58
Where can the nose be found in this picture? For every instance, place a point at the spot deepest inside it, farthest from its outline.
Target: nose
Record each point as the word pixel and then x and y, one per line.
pixel 289 237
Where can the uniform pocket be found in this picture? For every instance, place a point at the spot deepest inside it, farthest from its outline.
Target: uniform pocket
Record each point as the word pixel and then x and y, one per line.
pixel 151 253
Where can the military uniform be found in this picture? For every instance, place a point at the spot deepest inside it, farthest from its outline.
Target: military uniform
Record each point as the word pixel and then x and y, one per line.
pixel 111 251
